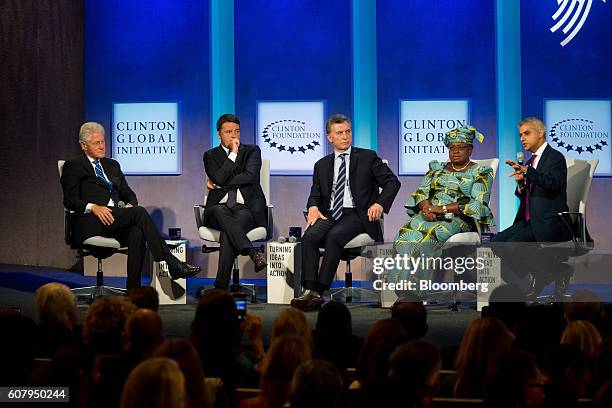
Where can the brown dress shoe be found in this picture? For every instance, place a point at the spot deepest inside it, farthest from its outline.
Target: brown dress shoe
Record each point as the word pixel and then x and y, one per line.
pixel 259 261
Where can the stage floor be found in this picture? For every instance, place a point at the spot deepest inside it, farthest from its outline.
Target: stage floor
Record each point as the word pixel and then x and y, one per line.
pixel 18 284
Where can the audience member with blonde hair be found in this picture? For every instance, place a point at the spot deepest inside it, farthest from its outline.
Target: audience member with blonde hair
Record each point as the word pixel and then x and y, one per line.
pixel 56 309
pixel 157 382
pixel 291 321
pixel 482 342
pixel 286 353
pixel 55 303
pixel 584 335
pixel 188 360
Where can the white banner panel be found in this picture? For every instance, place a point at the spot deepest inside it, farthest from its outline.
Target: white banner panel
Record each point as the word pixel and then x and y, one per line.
pixel 146 137
pixel 291 135
pixel 581 129
pixel 422 126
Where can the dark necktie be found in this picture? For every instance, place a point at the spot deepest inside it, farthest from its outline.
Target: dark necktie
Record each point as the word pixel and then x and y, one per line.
pixel 339 189
pixel 100 174
pixel 232 193
pixel 528 188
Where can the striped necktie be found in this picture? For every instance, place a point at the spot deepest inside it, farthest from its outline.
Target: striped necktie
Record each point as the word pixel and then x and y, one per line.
pixel 100 174
pixel 339 189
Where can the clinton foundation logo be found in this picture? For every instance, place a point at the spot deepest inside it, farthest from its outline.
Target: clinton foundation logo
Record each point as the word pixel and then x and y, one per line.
pixel 580 136
pixel 581 129
pixel 570 17
pixel 291 134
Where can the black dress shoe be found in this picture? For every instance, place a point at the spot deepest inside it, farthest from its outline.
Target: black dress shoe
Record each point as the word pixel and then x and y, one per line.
pixel 561 284
pixel 259 261
pixel 537 286
pixel 308 301
pixel 183 271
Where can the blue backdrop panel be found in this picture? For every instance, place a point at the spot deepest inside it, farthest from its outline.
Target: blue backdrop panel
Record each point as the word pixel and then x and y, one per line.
pixel 138 52
pixel 435 50
pixel 288 50
pixel 580 69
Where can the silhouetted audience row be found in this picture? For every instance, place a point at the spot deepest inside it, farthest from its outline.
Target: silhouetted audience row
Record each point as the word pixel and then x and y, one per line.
pixel 513 356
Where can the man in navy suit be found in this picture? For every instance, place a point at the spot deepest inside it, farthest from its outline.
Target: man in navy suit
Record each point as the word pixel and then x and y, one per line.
pixel 344 202
pixel 541 188
pixel 102 203
pixel 235 203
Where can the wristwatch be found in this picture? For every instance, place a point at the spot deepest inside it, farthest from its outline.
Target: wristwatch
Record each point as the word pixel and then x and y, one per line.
pixel 444 209
pixel 447 215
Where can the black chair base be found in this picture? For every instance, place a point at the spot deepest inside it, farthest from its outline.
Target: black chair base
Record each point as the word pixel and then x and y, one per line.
pixel 90 293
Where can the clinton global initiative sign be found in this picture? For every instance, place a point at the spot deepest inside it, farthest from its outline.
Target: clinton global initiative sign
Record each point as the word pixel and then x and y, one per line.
pixel 146 137
pixel 422 126
pixel 291 135
pixel 581 129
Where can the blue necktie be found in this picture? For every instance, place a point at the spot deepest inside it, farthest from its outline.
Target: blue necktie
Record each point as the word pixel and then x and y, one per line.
pixel 339 189
pixel 100 174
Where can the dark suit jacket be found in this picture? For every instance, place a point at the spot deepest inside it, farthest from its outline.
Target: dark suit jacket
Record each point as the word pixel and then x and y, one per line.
pixel 82 186
pixel 242 174
pixel 367 173
pixel 547 197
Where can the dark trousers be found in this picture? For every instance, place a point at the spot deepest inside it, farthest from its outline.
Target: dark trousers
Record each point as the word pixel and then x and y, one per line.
pixel 234 223
pixel 517 232
pixel 333 236
pixel 134 227
pixel 518 251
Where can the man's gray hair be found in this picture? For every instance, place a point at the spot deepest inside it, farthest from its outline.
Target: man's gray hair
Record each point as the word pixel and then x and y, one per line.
pixel 88 129
pixel 535 122
pixel 335 119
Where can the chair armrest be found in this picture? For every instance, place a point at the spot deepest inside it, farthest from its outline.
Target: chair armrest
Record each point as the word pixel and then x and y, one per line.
pixel 198 212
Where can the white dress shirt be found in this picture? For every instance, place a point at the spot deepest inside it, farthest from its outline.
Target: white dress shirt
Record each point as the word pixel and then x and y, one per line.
pixel 348 197
pixel 110 203
pixel 239 199
pixel 538 154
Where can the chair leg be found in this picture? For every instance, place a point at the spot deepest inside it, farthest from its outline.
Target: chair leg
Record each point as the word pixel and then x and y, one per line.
pixel 99 274
pixel 236 286
pixel 348 282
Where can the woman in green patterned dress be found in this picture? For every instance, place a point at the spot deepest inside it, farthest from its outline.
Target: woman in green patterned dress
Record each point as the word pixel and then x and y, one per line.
pixel 450 199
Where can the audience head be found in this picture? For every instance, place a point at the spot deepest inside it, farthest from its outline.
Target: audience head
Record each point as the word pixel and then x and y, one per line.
pixel 334 320
pixel 506 303
pixel 316 383
pixel 55 304
pixel 188 360
pixel 584 305
pixel 584 335
pixel 215 332
pixel 143 332
pixel 17 347
pixel 286 353
pixel 415 365
pixel 482 341
pixel 58 373
pixel 383 337
pixel 156 382
pixel 412 315
pixel 291 321
pixel 567 367
pixel 145 297
pixel 515 382
pixel 104 324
